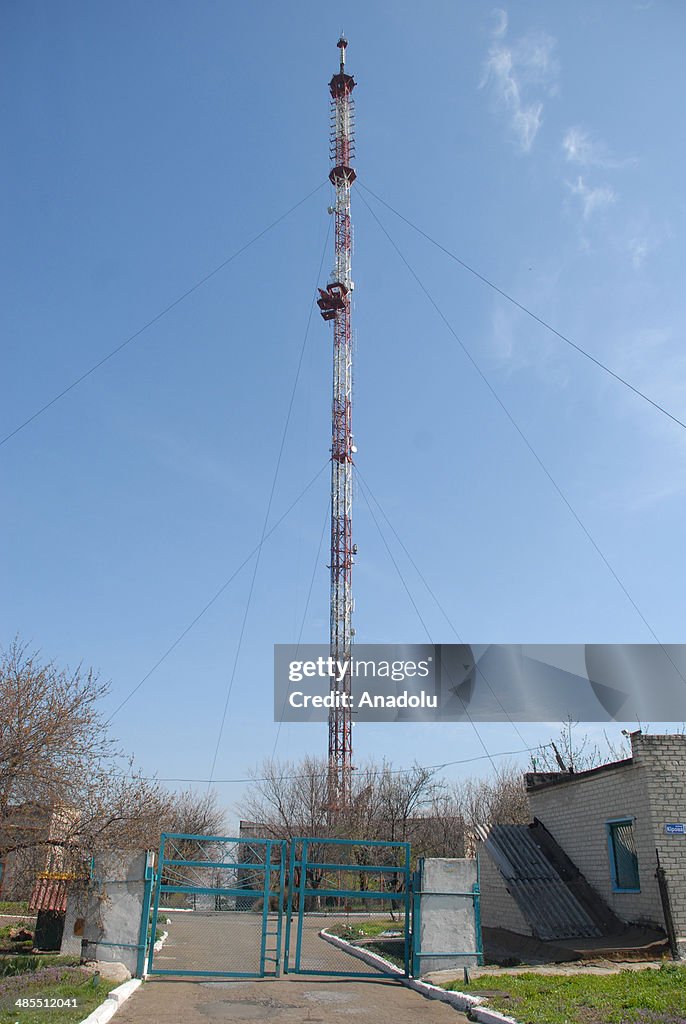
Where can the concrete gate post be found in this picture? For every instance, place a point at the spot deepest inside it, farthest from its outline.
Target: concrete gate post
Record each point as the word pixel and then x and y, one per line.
pixel 105 921
pixel 447 926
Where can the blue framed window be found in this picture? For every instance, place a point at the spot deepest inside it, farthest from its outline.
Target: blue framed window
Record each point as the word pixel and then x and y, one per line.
pixel 621 846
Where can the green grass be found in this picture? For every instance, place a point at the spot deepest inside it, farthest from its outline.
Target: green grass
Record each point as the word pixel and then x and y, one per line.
pixel 87 995
pixel 18 908
pixel 390 949
pixel 630 997
pixel 8 945
pixel 352 930
pixel 13 965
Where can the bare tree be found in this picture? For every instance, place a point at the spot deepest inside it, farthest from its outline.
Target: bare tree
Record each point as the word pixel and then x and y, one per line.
pixel 441 830
pixel 50 729
pixel 571 752
pixel 119 810
pixel 496 800
pixel 289 799
pixel 66 792
pixel 192 813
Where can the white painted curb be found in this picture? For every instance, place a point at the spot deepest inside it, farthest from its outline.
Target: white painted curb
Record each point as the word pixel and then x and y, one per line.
pixel 107 1009
pixel 459 1000
pixel 160 942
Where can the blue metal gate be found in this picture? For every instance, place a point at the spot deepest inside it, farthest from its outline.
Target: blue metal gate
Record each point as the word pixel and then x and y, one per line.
pixel 358 890
pixel 222 899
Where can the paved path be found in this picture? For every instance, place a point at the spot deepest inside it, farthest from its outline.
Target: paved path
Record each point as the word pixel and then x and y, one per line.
pixel 292 1000
pixel 212 941
pixel 230 941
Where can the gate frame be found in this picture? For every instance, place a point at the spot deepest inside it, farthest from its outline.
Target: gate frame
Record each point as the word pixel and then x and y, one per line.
pixel 303 863
pixel 268 868
pixel 474 894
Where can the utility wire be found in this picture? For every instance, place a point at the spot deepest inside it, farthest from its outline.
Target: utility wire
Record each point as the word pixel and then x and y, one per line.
pixel 304 618
pixel 426 628
pixel 218 593
pixel 269 504
pixel 528 444
pixel 422 577
pixel 155 319
pixel 534 316
pixel 379 771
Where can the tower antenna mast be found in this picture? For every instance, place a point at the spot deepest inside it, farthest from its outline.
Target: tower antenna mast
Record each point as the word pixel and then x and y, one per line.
pixel 335 304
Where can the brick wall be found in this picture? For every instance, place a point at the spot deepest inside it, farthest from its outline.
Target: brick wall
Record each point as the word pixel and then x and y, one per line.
pixel 663 761
pixel 498 907
pixel 651 789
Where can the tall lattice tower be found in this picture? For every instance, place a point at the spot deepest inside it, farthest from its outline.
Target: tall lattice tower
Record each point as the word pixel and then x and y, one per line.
pixel 334 303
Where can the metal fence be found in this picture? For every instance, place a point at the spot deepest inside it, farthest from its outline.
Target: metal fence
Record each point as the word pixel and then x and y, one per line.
pixel 222 900
pixel 356 890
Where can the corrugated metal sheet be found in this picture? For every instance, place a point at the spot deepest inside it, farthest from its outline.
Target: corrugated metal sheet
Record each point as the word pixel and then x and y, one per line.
pixel 49 894
pixel 549 906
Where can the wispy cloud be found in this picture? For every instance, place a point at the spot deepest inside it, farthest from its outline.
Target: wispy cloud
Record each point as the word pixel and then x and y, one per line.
pixel 515 344
pixel 580 147
pixel 591 197
pixel 500 27
pixel 639 237
pixel 588 152
pixel 637 248
pixel 517 72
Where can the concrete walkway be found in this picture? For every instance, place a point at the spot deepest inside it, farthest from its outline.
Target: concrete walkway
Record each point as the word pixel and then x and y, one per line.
pixel 292 1000
pixel 201 941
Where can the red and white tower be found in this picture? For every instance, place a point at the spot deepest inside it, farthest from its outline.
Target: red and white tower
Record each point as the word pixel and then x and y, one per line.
pixel 334 303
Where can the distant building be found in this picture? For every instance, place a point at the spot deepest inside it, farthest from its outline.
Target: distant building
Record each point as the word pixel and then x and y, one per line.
pixel 36 866
pixel 25 832
pixel 588 865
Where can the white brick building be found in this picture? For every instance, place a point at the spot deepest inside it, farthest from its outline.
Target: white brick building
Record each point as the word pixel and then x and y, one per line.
pixel 612 822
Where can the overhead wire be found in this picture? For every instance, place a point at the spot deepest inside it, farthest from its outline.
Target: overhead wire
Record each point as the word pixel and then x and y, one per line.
pixel 269 503
pixel 424 580
pixel 155 319
pixel 421 619
pixel 379 771
pixel 525 309
pixel 563 497
pixel 217 593
pixel 304 617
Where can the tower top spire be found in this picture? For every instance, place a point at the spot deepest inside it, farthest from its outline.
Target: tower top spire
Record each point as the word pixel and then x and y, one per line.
pixel 341 44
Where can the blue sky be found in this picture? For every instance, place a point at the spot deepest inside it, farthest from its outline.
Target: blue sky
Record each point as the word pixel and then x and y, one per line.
pixel 145 143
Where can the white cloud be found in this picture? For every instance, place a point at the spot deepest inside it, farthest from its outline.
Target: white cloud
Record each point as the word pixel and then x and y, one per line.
pixel 591 197
pixel 526 123
pixel 581 148
pixel 577 146
pixel 515 344
pixel 514 71
pixel 639 238
pixel 501 23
